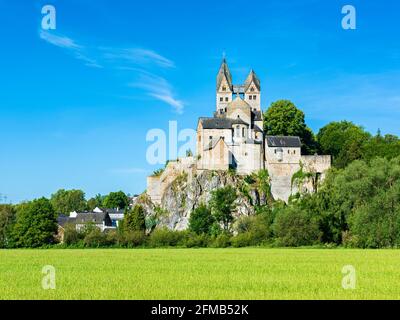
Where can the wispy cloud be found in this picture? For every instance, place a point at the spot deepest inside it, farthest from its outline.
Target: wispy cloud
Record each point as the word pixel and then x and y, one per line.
pixel 59 41
pixel 140 60
pixel 78 51
pixel 137 56
pixel 158 88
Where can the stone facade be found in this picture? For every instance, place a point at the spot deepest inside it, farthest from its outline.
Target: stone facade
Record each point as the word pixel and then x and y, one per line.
pixel 234 138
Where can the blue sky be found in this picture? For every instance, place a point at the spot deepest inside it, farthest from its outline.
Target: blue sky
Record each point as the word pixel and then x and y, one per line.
pixel 77 102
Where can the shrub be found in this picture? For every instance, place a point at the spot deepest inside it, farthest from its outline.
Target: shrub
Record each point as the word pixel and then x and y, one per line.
pixel 95 239
pixel 133 238
pixel 222 240
pixel 71 235
pixel 295 227
pixel 164 237
pixel 194 240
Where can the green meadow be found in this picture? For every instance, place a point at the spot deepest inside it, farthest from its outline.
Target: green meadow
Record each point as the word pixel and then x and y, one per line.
pixel 248 273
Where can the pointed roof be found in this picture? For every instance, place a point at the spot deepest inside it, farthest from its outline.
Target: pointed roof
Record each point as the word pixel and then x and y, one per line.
pixel 238 102
pixel 252 77
pixel 224 73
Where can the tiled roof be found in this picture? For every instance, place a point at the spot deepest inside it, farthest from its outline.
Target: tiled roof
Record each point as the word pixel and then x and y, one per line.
pixel 283 141
pixel 95 217
pixel 216 123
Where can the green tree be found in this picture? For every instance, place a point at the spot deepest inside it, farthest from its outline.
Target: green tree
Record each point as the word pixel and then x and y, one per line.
pixel 66 201
pixel 284 118
pixel 343 141
pixel 222 205
pixel 294 226
pixel 201 220
pixel 36 224
pixel 7 220
pixel 134 220
pixel 116 200
pixel 377 224
pixel 95 202
pixel 387 146
pixel 71 235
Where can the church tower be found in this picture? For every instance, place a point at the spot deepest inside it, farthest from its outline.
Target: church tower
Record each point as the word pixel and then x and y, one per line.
pixel 224 88
pixel 252 91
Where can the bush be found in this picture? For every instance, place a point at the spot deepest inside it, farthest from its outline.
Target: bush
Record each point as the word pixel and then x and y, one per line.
pixel 194 240
pixel 95 239
pixel 163 237
pixel 71 236
pixel 244 240
pixel 222 240
pixel 255 229
pixel 295 227
pixel 133 238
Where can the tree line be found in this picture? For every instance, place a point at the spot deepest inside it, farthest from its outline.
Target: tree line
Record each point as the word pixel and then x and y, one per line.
pixel 357 205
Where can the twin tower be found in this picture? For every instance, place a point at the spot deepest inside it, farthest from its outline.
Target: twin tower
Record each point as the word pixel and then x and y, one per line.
pixel 250 91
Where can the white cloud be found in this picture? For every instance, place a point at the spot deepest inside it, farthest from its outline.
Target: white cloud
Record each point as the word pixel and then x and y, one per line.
pixel 139 60
pixel 158 88
pixel 78 51
pixel 59 41
pixel 137 56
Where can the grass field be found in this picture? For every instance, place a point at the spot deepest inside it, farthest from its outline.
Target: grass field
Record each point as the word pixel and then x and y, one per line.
pixel 248 273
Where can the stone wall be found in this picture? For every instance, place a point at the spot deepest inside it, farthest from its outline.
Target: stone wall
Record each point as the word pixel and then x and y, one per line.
pixel 156 185
pixel 316 163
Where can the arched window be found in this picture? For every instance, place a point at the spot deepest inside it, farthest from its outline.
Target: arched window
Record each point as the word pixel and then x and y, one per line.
pixel 238 131
pixel 252 89
pixel 223 88
pixel 243 132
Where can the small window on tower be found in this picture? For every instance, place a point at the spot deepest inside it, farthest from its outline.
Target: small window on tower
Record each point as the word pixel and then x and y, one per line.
pixel 254 97
pixel 210 137
pixel 223 88
pixel 221 99
pixel 225 109
pixel 226 99
pixel 252 89
pixel 250 97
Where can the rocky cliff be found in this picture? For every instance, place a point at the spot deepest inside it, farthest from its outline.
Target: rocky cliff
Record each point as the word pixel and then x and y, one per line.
pixel 185 193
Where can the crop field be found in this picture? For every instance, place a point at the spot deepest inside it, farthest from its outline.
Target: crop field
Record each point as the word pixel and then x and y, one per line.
pixel 248 273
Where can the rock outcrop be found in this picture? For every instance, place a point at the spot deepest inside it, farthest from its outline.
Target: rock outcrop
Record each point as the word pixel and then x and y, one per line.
pixel 187 192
